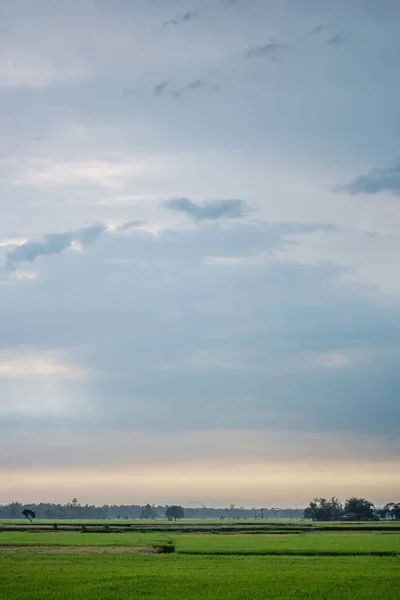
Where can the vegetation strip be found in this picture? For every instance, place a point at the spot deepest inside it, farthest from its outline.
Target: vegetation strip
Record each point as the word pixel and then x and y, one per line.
pixel 87 549
pixel 333 553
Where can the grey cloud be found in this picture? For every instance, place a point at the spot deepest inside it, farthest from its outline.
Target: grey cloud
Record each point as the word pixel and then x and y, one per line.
pixel 148 321
pixel 186 16
pixel 271 49
pixel 130 225
pixel 377 180
pixel 195 85
pixel 316 30
pixel 337 39
pixel 55 243
pixel 52 244
pixel 160 87
pixel 131 91
pixel 205 211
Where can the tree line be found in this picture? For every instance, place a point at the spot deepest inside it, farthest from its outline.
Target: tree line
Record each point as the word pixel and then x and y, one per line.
pixel 75 510
pixel 319 509
pixel 353 509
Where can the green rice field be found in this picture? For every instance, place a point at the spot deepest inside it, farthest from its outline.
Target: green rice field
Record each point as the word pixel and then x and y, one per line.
pixel 314 563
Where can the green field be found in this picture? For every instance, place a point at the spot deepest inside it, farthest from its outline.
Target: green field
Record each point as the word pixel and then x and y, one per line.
pixel 175 577
pixel 306 543
pixel 315 564
pixel 313 543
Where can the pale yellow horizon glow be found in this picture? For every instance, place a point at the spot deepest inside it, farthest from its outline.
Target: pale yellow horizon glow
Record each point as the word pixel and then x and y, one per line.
pixel 285 484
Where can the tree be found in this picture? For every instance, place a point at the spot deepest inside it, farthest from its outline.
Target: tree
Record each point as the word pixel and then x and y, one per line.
pixel 29 514
pixel 174 513
pixel 15 508
pixel 396 511
pixel 362 509
pixel 321 509
pixel 392 509
pixel 148 512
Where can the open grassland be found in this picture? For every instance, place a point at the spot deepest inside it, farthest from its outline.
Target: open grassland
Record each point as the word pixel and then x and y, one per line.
pixel 75 538
pixel 174 577
pixel 206 526
pixel 315 563
pixel 279 523
pixel 309 543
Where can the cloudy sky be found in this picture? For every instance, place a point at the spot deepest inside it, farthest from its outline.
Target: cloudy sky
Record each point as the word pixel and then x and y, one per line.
pixel 199 248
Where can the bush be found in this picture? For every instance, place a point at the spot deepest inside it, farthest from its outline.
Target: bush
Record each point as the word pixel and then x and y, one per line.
pixel 168 548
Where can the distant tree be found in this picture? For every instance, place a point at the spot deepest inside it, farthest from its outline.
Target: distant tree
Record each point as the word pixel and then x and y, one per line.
pixel 29 514
pixel 361 508
pixel 174 513
pixel 321 509
pixel 396 511
pixel 390 509
pixel 148 512
pixel 15 508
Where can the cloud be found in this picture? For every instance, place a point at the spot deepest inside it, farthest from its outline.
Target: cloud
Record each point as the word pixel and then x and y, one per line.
pixel 286 327
pixel 25 67
pixel 130 91
pixel 160 87
pixel 271 49
pixel 50 172
pixel 12 241
pixel 216 209
pixel 34 363
pixel 337 39
pixel 25 276
pixel 316 30
pixel 186 16
pixel 195 85
pixel 233 447
pixel 130 225
pixel 377 180
pixel 53 244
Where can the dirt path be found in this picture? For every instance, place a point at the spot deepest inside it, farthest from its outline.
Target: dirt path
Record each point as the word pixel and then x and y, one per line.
pixel 80 549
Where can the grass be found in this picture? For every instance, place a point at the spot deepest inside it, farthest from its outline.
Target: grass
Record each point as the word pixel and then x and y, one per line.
pixel 309 543
pixel 313 565
pixel 175 577
pixel 265 523
pixel 306 543
pixel 74 538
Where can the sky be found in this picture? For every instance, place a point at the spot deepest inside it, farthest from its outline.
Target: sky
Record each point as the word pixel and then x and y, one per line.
pixel 199 242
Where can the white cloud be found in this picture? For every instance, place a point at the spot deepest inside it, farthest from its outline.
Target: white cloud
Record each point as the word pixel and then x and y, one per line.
pixel 33 363
pixel 12 241
pixel 42 384
pixel 76 246
pixel 24 275
pixel 237 261
pixel 113 172
pixel 48 172
pixel 26 67
pixel 332 360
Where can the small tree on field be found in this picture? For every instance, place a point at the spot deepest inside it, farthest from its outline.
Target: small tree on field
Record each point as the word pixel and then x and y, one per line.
pixel 175 513
pixel 29 514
